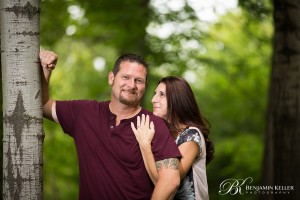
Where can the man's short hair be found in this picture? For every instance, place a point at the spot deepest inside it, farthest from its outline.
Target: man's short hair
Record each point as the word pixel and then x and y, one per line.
pixel 130 58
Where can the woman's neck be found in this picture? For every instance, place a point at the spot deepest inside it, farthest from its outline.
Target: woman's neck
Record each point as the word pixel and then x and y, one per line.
pixel 180 129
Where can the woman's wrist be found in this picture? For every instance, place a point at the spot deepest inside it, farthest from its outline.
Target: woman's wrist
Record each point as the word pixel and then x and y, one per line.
pixel 146 146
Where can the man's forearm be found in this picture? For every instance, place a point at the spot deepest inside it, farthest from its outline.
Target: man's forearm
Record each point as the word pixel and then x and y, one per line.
pixel 168 179
pixel 45 87
pixel 48 60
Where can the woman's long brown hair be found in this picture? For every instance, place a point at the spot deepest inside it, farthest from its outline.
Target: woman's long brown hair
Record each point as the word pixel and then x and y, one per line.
pixel 183 109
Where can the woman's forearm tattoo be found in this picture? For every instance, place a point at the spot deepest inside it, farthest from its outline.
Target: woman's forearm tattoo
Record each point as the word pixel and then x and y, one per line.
pixel 172 163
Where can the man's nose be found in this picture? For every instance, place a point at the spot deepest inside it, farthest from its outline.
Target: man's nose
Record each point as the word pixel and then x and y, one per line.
pixel 131 83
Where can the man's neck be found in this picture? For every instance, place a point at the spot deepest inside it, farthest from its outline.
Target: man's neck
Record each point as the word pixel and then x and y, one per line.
pixel 123 111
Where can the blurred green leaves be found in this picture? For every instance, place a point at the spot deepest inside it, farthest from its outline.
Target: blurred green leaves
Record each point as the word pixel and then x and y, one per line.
pixel 226 62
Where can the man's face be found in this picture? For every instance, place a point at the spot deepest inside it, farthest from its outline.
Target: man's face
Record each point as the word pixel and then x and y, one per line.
pixel 128 85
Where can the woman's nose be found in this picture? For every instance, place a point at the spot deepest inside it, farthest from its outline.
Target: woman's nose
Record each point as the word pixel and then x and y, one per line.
pixel 154 99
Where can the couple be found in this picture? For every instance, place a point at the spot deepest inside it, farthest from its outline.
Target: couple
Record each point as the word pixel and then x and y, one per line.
pixel 126 152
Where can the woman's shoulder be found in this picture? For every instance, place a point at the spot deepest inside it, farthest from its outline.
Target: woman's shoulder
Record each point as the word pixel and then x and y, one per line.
pixel 190 134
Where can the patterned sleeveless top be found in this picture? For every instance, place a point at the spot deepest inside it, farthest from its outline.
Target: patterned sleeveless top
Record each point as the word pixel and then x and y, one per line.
pixel 194 185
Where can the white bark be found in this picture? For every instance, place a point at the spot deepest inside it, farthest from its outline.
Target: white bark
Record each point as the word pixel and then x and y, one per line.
pixel 22 104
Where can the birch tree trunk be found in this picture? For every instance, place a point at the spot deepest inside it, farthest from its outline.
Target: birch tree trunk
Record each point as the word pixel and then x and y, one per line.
pixel 22 102
pixel 1 126
pixel 282 157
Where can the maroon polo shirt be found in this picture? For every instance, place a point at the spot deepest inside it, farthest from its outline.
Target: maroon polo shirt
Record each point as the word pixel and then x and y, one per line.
pixel 110 162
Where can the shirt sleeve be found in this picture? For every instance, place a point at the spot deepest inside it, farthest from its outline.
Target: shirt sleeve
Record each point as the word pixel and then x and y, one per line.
pixel 67 112
pixel 191 134
pixel 163 145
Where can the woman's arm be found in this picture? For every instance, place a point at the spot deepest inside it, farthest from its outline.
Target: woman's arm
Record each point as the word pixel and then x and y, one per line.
pixel 189 151
pixel 149 162
pixel 144 133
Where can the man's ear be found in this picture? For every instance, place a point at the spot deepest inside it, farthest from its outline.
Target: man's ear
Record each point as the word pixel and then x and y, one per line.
pixel 111 78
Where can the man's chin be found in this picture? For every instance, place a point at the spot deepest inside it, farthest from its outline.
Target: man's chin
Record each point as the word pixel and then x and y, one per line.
pixel 129 103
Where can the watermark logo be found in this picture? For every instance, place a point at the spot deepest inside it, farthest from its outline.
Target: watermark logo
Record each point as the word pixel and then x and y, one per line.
pixel 242 186
pixel 234 186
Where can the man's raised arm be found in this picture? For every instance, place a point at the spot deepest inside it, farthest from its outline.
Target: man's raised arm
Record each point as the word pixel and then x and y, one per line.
pixel 48 61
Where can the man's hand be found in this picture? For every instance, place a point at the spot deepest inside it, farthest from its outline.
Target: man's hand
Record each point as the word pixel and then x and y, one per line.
pixel 48 59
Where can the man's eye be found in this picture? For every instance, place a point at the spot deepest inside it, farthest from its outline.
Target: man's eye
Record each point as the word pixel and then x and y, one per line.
pixel 139 81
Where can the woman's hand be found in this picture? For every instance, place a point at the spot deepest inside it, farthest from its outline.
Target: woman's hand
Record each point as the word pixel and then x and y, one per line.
pixel 144 131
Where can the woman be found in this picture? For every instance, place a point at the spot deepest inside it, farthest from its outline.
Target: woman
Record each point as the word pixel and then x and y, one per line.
pixel 174 101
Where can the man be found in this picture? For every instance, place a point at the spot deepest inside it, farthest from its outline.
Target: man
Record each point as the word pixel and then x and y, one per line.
pixel 110 162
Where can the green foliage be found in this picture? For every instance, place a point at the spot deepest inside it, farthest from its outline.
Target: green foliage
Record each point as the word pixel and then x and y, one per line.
pixel 116 23
pixel 179 51
pixel 256 9
pixel 232 66
pixel 60 164
pixel 235 158
pixel 230 61
pixel 120 24
pixel 234 97
pixel 239 65
pixel 54 19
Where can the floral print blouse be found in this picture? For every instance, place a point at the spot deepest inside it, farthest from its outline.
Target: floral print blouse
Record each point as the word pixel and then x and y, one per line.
pixel 191 187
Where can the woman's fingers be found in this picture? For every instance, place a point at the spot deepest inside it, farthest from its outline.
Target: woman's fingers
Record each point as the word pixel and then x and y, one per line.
pixel 144 130
pixel 133 127
pixel 152 127
pixel 143 125
pixel 143 120
pixel 138 122
pixel 147 121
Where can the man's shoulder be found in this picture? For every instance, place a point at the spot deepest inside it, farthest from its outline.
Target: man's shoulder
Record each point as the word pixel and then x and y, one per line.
pixel 83 104
pixel 83 101
pixel 160 124
pixel 153 117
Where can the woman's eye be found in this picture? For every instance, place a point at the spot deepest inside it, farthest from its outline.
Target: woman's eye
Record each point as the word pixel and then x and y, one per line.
pixel 162 94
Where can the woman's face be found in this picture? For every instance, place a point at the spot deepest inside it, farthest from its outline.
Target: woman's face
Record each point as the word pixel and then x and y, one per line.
pixel 159 101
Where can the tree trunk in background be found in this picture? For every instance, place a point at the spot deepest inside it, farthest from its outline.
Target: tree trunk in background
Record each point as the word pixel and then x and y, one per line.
pixel 1 126
pixel 22 102
pixel 283 131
